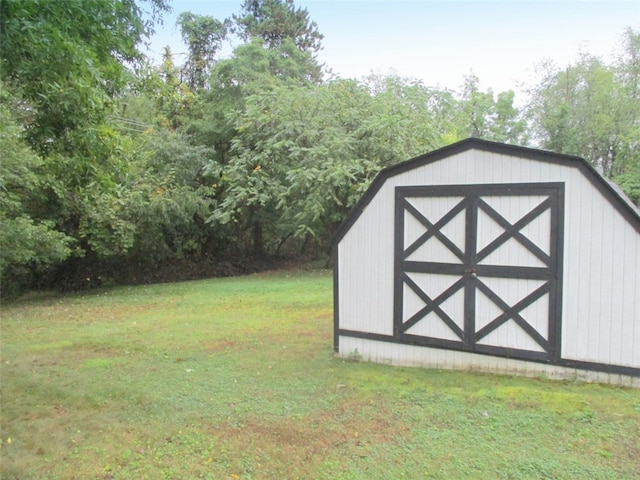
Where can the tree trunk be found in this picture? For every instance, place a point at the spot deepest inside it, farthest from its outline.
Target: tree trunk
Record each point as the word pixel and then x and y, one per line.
pixel 258 239
pixel 282 241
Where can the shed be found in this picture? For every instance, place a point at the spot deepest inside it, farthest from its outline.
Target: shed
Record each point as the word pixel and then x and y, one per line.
pixel 492 257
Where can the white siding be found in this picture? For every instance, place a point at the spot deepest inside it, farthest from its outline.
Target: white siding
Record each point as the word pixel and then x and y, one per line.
pixel 365 272
pixel 601 288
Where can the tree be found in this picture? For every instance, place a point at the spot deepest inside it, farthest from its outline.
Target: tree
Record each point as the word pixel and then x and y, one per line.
pixel 69 59
pixel 303 155
pixel 294 163
pixel 592 109
pixel 251 69
pixel 627 169
pixel 274 21
pixel 27 244
pixel 157 96
pixel 203 35
pixel 402 121
pixel 483 115
pixel 508 123
pixel 67 64
pixel 170 200
pixel 578 111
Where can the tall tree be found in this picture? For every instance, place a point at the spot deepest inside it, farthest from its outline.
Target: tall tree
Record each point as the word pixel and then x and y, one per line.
pixel 483 115
pixel 577 110
pixel 402 118
pixel 251 69
pixel 157 96
pixel 274 21
pixel 203 35
pixel 627 169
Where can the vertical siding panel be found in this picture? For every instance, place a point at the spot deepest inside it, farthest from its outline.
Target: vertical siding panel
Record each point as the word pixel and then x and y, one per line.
pixel 589 245
pixel 636 302
pixel 489 363
pixel 386 351
pixel 632 301
pixel 628 307
pixel 378 351
pixel 344 292
pixel 360 257
pixel 373 298
pixel 579 270
pixel 616 298
pixel 576 285
pixel 480 158
pixel 571 336
pixel 602 289
pixel 354 279
pixel 350 276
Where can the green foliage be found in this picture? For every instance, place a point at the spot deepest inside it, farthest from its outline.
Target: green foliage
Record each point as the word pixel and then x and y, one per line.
pixel 157 97
pixel 171 199
pixel 27 244
pixel 85 190
pixel 203 35
pixel 26 248
pixel 630 184
pixel 483 115
pixel 402 120
pixel 592 110
pixel 302 156
pixel 68 58
pixel 275 21
pixel 103 225
pixel 252 69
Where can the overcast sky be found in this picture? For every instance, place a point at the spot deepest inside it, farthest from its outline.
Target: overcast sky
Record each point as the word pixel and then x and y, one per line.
pixel 439 42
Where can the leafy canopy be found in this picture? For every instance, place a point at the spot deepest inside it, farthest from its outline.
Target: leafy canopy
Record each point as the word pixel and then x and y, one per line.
pixel 203 35
pixel 69 59
pixel 274 21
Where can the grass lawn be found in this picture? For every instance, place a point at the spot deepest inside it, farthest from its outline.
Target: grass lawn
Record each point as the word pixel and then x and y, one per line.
pixel 236 379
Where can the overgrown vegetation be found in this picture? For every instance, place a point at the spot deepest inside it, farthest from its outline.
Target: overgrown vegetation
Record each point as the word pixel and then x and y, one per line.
pixel 111 161
pixel 236 378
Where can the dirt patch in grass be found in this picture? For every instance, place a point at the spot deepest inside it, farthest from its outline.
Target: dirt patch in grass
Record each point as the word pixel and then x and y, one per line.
pixel 218 345
pixel 297 447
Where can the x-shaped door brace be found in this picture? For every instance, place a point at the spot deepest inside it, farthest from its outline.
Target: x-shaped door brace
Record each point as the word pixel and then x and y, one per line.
pixel 470 269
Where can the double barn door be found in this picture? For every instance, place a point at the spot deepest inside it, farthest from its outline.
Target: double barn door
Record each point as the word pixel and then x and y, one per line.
pixel 478 268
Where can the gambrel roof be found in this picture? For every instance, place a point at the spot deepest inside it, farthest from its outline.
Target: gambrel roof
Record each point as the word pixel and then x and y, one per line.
pixel 608 189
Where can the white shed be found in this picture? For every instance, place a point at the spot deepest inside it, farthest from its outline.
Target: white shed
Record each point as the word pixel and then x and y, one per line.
pixel 492 257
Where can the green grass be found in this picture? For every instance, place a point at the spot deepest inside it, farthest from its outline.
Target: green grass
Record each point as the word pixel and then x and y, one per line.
pixel 236 379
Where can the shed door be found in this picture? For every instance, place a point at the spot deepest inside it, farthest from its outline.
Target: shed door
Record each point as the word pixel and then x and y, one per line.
pixel 478 268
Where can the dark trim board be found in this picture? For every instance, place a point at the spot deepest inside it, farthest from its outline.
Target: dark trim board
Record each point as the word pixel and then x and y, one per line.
pixel 502 353
pixel 336 301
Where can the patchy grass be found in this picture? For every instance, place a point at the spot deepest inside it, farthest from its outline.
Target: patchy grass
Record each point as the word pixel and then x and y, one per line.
pixel 236 379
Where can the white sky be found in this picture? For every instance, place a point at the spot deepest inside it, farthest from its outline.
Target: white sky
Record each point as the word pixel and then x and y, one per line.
pixel 439 42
